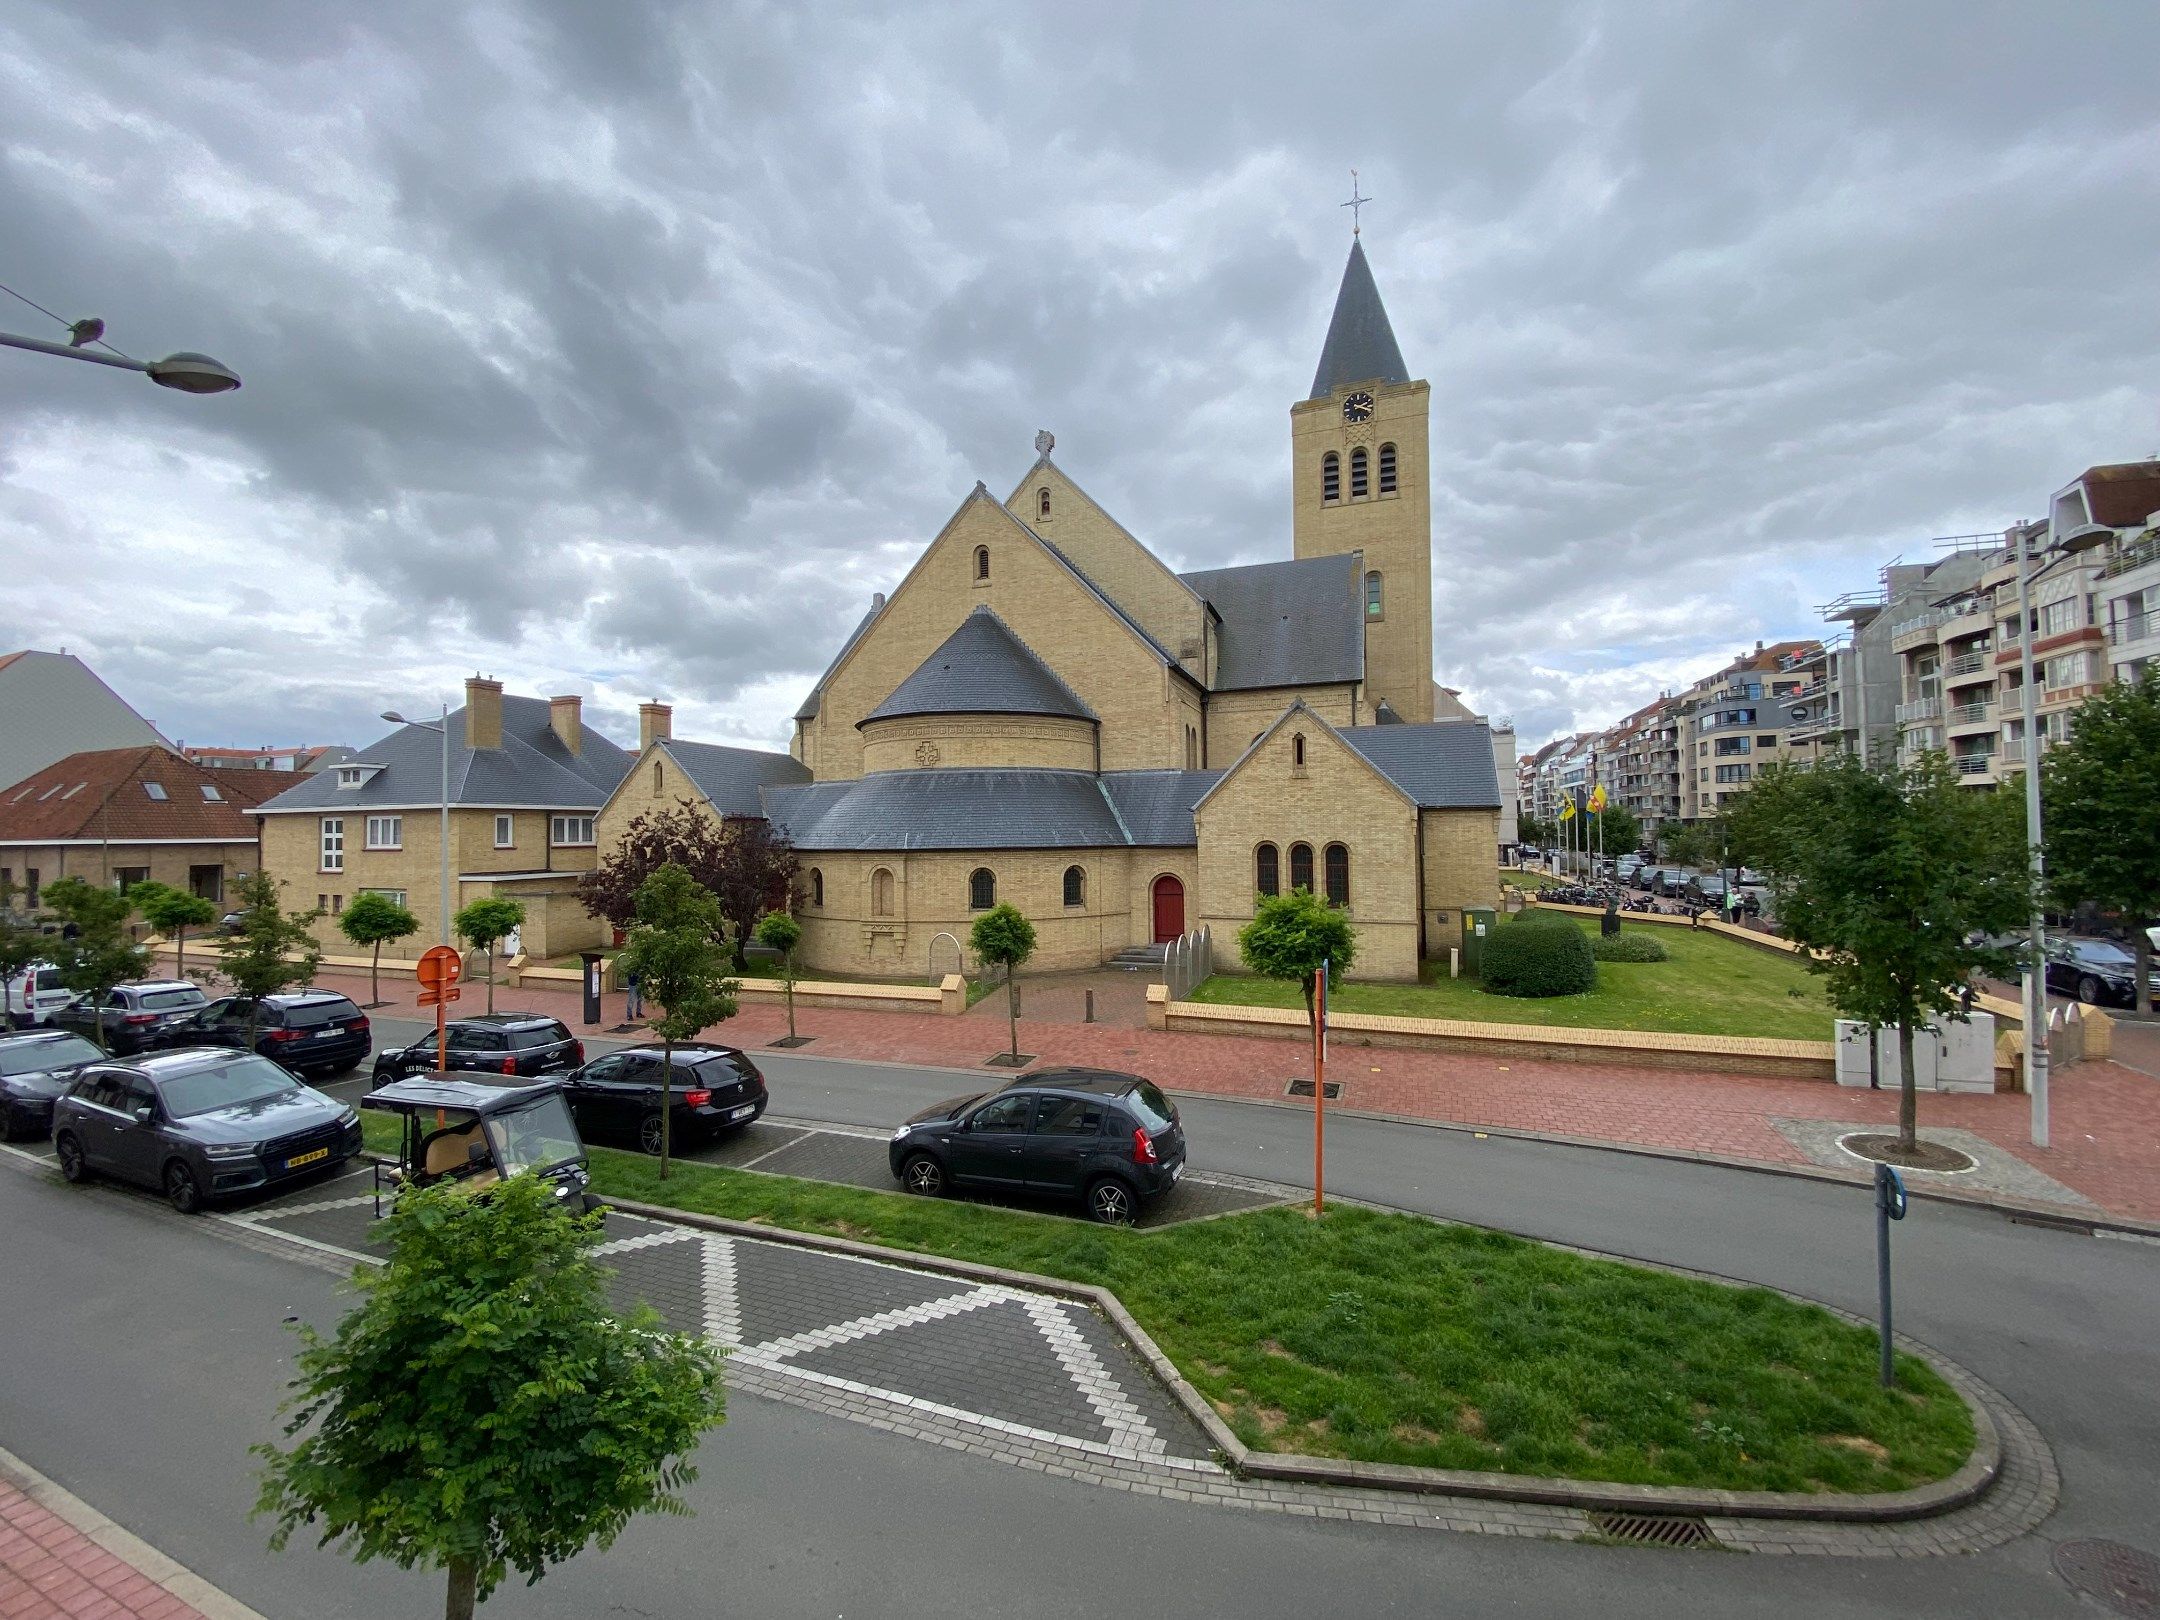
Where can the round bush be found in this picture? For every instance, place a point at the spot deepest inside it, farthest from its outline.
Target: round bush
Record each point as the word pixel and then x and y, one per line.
pixel 1628 948
pixel 1539 962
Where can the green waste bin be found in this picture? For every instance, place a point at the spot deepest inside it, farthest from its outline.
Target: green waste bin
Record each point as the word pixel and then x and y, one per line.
pixel 1477 923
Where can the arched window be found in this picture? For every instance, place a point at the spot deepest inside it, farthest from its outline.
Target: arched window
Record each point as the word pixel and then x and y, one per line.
pixel 1359 481
pixel 982 562
pixel 1301 867
pixel 1373 600
pixel 1267 870
pixel 1331 477
pixel 656 779
pixel 1042 502
pixel 1075 886
pixel 881 888
pixel 1297 752
pixel 1192 748
pixel 1338 875
pixel 817 887
pixel 1387 469
pixel 982 889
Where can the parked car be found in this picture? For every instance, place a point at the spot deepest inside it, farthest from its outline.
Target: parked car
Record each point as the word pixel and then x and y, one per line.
pixel 1110 1140
pixel 2098 972
pixel 232 922
pixel 199 1125
pixel 36 1066
pixel 35 993
pixel 134 1014
pixel 1627 866
pixel 715 1089
pixel 1708 887
pixel 310 1032
pixel 528 1044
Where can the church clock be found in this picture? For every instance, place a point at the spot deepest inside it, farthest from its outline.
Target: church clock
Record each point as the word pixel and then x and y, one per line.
pixel 1357 407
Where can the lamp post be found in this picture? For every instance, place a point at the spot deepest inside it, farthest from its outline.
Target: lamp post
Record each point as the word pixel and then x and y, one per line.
pixel 443 830
pixel 188 372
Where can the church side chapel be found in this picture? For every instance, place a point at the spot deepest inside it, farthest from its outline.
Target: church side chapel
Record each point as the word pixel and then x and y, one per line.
pixel 1043 712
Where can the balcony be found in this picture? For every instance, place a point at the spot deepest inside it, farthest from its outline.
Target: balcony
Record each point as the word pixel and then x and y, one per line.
pixel 1919 710
pixel 1977 666
pixel 1917 631
pixel 2139 552
pixel 1967 715
pixel 2135 628
pixel 1975 764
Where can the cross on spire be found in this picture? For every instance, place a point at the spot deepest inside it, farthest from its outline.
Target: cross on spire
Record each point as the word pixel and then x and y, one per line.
pixel 1355 203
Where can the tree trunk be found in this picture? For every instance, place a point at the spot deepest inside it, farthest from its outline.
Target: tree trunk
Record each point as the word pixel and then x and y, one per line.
pixel 490 954
pixel 179 935
pixel 374 977
pixel 667 1099
pixel 1874 1057
pixel 2141 949
pixel 1012 1011
pixel 790 995
pixel 1908 1107
pixel 464 1582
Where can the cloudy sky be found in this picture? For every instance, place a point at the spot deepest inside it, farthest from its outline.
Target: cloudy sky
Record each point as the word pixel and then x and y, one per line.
pixel 627 349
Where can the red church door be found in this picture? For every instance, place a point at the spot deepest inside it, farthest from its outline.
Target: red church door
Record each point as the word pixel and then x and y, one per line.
pixel 1169 909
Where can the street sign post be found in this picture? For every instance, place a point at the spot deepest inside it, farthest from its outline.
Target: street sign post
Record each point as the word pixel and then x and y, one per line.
pixel 1319 1089
pixel 438 971
pixel 1889 1206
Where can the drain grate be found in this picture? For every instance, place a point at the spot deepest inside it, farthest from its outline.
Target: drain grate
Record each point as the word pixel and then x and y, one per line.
pixel 1654 1529
pixel 2123 1578
pixel 1303 1088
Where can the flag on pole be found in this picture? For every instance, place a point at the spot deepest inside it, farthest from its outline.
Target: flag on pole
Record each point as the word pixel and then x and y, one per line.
pixel 1597 799
pixel 1567 810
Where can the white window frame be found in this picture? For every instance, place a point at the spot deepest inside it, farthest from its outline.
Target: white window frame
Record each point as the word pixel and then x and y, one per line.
pixel 395 896
pixel 505 832
pixel 379 826
pixel 560 825
pixel 333 844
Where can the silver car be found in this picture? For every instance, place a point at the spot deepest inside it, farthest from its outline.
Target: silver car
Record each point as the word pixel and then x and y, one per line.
pixel 199 1124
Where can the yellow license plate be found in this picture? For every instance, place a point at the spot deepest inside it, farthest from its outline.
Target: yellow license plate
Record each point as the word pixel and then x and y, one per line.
pixel 307 1158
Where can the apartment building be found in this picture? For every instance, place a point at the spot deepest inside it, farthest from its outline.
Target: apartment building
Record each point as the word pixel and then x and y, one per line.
pixel 1734 722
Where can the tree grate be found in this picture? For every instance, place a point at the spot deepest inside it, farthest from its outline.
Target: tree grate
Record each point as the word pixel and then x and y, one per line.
pixel 1654 1529
pixel 1303 1088
pixel 2123 1578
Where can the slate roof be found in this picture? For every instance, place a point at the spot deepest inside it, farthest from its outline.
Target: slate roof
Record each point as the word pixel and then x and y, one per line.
pixel 531 769
pixel 105 793
pixel 982 668
pixel 1360 343
pixel 731 777
pixel 1442 764
pixel 958 809
pixel 1156 807
pixel 1286 623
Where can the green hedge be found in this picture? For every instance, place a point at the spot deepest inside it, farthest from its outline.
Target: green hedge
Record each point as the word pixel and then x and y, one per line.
pixel 1541 917
pixel 1543 961
pixel 1628 948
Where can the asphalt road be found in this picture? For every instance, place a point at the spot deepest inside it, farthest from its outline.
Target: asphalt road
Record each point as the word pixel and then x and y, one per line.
pixel 146 1353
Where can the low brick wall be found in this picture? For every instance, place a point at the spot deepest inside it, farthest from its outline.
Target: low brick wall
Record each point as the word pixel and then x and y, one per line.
pixel 948 997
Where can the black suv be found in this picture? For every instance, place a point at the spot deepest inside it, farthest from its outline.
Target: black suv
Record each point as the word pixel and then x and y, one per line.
pixel 311 1032
pixel 36 1067
pixel 523 1044
pixel 715 1089
pixel 134 1013
pixel 1109 1139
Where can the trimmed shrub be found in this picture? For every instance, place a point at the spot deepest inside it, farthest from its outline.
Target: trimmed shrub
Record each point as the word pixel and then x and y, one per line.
pixel 1543 917
pixel 1539 962
pixel 1628 948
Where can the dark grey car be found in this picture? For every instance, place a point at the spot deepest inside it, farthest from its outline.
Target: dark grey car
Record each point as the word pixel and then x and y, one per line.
pixel 199 1124
pixel 36 1067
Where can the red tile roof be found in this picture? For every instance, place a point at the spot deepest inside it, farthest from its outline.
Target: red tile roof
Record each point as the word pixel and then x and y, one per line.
pixel 106 794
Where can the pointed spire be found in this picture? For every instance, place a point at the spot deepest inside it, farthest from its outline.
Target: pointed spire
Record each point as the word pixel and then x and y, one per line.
pixel 1360 343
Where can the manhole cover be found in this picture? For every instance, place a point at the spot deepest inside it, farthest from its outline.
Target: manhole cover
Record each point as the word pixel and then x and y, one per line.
pixel 1303 1088
pixel 1653 1529
pixel 2125 1579
pixel 1922 1155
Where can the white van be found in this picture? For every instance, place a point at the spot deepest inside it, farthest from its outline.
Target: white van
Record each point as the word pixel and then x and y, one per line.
pixel 33 994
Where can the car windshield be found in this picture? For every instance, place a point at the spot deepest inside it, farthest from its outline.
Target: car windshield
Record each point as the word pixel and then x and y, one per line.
pixel 171 1000
pixel 535 1137
pixel 242 1079
pixel 1151 1105
pixel 32 1057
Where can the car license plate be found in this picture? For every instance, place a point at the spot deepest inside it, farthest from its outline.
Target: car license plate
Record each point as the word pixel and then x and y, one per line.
pixel 328 1034
pixel 742 1113
pixel 299 1159
pixel 1177 1170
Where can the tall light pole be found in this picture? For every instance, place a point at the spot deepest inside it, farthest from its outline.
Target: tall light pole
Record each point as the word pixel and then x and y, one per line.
pixel 443 833
pixel 188 372
pixel 2036 1012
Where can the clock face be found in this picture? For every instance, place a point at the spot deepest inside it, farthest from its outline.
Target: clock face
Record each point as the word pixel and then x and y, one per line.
pixel 1357 407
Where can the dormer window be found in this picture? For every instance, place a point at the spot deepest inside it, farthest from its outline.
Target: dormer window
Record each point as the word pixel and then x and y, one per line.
pixel 350 777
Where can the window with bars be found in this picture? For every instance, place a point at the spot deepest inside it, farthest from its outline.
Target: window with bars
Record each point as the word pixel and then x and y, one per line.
pixel 1387 469
pixel 1075 886
pixel 1360 474
pixel 333 843
pixel 1374 602
pixel 982 562
pixel 817 887
pixel 1331 477
pixel 982 889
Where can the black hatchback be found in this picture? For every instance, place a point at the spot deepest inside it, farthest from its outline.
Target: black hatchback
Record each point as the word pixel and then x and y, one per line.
pixel 524 1045
pixel 1111 1140
pixel 36 1067
pixel 715 1089
pixel 310 1032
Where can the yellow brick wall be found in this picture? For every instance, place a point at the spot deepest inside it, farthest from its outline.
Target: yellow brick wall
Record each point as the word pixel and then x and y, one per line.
pixel 1337 798
pixel 1460 850
pixel 986 741
pixel 1234 719
pixel 170 864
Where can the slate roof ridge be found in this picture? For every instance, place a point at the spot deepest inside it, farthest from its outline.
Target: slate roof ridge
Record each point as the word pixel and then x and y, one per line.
pixel 1360 344
pixel 963 675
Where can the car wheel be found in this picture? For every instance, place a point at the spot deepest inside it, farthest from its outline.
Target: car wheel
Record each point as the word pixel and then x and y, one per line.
pixel 648 1134
pixel 2089 990
pixel 923 1176
pixel 1111 1202
pixel 181 1189
pixel 73 1166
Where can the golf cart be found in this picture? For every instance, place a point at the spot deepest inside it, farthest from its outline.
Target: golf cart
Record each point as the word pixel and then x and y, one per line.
pixel 475 1134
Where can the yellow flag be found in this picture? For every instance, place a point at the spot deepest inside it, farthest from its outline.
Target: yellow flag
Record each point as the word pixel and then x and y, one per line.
pixel 1597 798
pixel 1567 811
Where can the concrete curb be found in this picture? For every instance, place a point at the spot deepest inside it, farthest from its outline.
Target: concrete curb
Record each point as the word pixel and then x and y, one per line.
pixel 183 1583
pixel 1967 1485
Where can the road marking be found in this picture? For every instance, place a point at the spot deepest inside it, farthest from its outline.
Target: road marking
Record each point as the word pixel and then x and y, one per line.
pixel 864 1327
pixel 1094 1381
pixel 648 1240
pixel 278 1212
pixel 782 1148
pixel 723 1303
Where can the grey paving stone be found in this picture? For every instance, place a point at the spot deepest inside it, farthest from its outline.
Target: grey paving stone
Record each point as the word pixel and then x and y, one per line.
pixel 852 1161
pixel 668 1277
pixel 1180 1435
pixel 740 1147
pixel 785 1291
pixel 1995 1169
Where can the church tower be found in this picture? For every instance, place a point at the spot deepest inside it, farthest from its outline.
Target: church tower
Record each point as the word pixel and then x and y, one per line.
pixel 1359 483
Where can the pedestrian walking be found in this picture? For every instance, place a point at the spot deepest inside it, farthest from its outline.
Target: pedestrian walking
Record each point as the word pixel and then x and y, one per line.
pixel 633 1000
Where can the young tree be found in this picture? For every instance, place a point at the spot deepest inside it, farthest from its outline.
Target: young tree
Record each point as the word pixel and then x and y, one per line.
pixel 2100 795
pixel 1687 844
pixel 374 920
pixel 776 930
pixel 1292 934
pixel 173 912
pixel 1891 876
pixel 681 965
pixel 487 923
pixel 1003 936
pixel 1620 829
pixel 274 949
pixel 747 866
pixel 482 1410
pixel 95 951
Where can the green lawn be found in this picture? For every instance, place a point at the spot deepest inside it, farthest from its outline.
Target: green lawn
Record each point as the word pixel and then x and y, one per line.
pixel 1396 1339
pixel 1709 986
pixel 1527 880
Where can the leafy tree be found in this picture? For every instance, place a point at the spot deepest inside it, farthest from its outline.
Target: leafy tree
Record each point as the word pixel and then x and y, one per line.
pixel 1688 843
pixel 776 930
pixel 374 920
pixel 21 944
pixel 95 951
pixel 1530 830
pixel 1292 934
pixel 675 950
pixel 274 950
pixel 173 912
pixel 1003 936
pixel 2100 794
pixel 487 923
pixel 1619 829
pixel 1891 876
pixel 482 1410
pixel 747 866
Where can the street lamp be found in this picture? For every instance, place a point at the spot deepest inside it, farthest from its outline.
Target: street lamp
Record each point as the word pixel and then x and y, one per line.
pixel 189 372
pixel 443 833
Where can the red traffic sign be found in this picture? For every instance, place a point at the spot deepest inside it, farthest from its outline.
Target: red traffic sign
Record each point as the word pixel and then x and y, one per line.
pixel 435 998
pixel 439 968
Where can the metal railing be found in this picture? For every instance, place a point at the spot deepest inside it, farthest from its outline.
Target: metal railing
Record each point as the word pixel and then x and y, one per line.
pixel 1975 764
pixel 1920 709
pixel 2135 628
pixel 2139 552
pixel 1971 663
pixel 1188 960
pixel 1966 714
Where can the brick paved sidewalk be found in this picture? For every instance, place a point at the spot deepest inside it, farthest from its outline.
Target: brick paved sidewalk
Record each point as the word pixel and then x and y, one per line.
pixel 2106 1116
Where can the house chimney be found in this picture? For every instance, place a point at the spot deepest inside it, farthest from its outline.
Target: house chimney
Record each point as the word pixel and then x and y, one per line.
pixel 483 713
pixel 655 723
pixel 877 601
pixel 564 719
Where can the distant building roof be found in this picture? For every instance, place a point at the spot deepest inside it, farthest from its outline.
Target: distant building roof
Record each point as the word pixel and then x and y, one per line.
pixel 1286 623
pixel 1360 344
pixel 730 778
pixel 135 793
pixel 308 757
pixel 982 668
